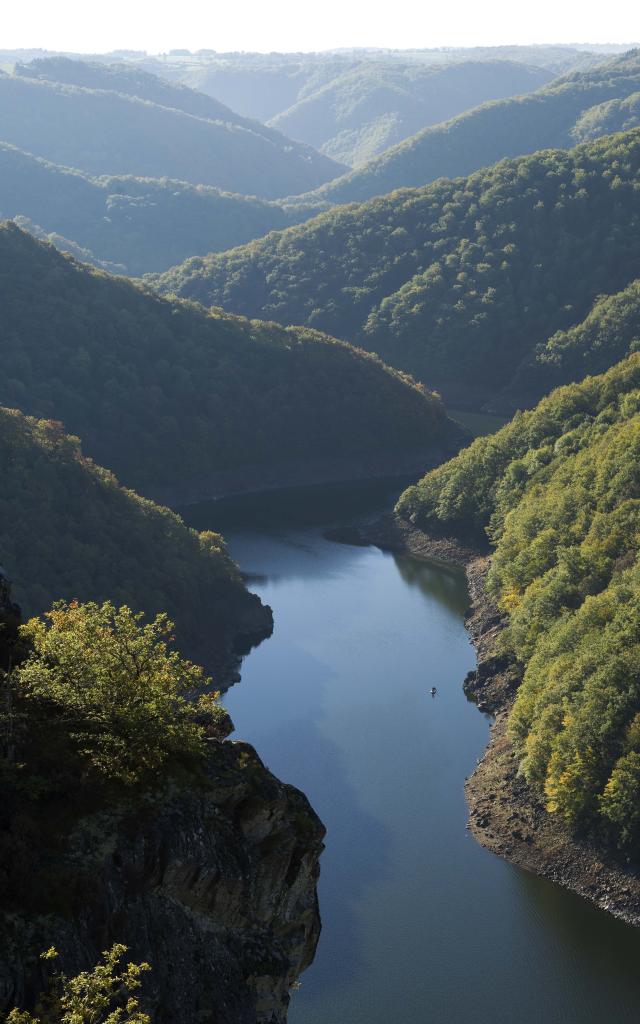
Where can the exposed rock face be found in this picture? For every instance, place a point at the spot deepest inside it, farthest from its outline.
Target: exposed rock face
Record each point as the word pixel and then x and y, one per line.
pixel 212 881
pixel 241 624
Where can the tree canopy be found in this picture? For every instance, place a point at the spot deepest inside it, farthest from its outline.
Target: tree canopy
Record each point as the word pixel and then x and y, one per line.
pixel 103 995
pixel 552 116
pixel 69 530
pixel 558 492
pixel 175 399
pixel 119 121
pixel 458 282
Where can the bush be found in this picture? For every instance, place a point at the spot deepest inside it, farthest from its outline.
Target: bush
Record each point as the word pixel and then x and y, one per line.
pixel 110 684
pixel 101 996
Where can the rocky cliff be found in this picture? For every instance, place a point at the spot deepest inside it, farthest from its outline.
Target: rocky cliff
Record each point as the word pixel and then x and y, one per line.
pixel 209 876
pixel 213 884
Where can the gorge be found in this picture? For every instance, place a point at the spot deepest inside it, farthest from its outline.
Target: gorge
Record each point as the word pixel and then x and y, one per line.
pixel 417 917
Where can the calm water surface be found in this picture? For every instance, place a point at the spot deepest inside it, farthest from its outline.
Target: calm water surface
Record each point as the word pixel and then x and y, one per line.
pixel 420 924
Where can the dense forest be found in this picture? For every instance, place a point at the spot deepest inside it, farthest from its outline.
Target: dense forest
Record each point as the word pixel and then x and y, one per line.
pixel 70 531
pixel 145 127
pixel 129 225
pixel 170 396
pixel 558 492
pixel 610 331
pixel 227 274
pixel 606 118
pixel 266 85
pixel 457 282
pixel 548 117
pixel 375 105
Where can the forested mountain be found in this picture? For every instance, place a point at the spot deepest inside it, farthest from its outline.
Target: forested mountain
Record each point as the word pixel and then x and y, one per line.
pixel 265 85
pixel 130 80
pixel 558 490
pixel 70 531
pixel 375 105
pixel 178 401
pixel 131 128
pixel 547 118
pixel 609 332
pixel 457 282
pixel 605 118
pixel 130 225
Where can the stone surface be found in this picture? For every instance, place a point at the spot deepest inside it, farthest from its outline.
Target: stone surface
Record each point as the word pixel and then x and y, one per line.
pixel 212 881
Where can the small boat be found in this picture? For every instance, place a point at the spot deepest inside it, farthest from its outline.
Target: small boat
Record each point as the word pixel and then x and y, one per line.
pixel 433 691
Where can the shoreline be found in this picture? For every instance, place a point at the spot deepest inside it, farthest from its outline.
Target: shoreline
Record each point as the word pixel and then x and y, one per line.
pixel 505 817
pixel 253 481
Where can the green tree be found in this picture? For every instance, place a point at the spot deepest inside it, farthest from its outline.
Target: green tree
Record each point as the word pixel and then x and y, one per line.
pixel 101 996
pixel 119 689
pixel 620 802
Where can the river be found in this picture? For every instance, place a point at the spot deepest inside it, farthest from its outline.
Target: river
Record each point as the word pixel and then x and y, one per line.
pixel 420 924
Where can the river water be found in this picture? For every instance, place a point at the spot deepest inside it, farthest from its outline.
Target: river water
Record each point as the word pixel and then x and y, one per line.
pixel 420 924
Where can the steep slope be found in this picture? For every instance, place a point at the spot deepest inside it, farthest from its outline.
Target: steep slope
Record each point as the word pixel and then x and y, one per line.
pixel 373 106
pixel 212 883
pixel 480 137
pixel 70 531
pixel 129 80
pixel 609 332
pixel 558 491
pixel 605 118
pixel 113 131
pixel 457 282
pixel 195 858
pixel 181 403
pixel 131 225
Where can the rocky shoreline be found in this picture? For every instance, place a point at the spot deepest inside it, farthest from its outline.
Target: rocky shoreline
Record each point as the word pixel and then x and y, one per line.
pixel 504 815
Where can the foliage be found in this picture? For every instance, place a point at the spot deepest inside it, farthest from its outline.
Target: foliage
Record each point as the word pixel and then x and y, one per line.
pixel 549 117
pixel 619 115
pixel 264 85
pixel 457 282
pixel 118 122
pixel 173 398
pixel 117 687
pixel 126 224
pixel 103 995
pixel 97 695
pixel 475 490
pixel 610 331
pixel 70 531
pixel 368 106
pixel 558 491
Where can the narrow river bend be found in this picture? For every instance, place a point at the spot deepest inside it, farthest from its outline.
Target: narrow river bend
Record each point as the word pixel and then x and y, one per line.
pixel 420 924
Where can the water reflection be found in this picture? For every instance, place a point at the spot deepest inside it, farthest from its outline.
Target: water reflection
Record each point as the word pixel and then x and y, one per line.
pixel 420 924
pixel 323 505
pixel 442 582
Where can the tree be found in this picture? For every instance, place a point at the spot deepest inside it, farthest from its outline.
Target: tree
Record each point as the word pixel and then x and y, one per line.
pixel 620 802
pixel 101 996
pixel 126 700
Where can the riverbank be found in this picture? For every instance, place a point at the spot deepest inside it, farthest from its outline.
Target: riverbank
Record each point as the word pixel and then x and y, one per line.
pixel 504 815
pixel 254 480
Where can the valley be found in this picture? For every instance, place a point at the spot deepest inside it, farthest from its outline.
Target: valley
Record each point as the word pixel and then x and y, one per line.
pixel 290 341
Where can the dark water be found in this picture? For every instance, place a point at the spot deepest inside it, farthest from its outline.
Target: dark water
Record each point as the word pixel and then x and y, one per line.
pixel 420 924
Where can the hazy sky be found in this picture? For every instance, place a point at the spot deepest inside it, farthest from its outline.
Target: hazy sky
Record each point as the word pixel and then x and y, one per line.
pixel 266 25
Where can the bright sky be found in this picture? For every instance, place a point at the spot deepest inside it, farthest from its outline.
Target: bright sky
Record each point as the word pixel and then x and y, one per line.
pixel 286 25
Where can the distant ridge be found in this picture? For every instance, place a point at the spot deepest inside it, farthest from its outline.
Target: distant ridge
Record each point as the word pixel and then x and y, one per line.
pixel 143 126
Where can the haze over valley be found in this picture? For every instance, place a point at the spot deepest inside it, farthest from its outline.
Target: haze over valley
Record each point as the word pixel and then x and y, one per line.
pixel 319 580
